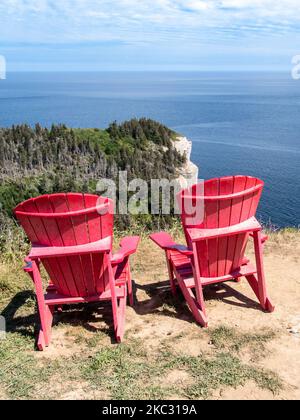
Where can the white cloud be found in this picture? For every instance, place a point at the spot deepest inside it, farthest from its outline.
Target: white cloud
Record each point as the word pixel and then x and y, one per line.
pixel 143 20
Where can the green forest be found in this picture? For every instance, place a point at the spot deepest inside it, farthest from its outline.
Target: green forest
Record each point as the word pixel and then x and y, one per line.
pixel 39 160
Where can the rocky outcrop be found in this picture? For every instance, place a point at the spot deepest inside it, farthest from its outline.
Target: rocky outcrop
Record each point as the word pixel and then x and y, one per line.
pixel 189 173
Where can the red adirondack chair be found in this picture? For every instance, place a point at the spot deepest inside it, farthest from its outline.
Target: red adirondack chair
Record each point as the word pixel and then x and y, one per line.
pixel 71 236
pixel 216 244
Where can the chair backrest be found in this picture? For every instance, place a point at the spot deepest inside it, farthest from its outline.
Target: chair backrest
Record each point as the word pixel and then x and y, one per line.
pixel 226 202
pixel 68 220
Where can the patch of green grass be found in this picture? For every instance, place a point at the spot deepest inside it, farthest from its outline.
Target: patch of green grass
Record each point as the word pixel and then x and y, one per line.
pixel 222 371
pixel 91 342
pixel 124 370
pixel 129 373
pixel 13 280
pixel 19 371
pixel 231 339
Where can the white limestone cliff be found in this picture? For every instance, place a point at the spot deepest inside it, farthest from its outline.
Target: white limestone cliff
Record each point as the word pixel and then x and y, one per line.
pixel 189 173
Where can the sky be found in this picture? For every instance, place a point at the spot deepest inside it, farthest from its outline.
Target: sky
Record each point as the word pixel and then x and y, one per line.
pixel 93 35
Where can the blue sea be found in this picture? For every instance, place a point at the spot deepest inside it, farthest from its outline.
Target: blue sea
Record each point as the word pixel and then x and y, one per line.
pixel 240 123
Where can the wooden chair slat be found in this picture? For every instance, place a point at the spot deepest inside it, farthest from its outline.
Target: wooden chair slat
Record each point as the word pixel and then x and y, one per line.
pixel 211 222
pixel 226 188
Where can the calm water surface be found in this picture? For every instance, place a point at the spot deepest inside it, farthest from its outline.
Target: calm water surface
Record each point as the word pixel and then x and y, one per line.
pixel 239 123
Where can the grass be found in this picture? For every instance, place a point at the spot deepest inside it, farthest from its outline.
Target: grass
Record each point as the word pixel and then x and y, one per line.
pixel 233 340
pixel 125 371
pixel 222 371
pixel 134 370
pixel 19 371
pixel 129 373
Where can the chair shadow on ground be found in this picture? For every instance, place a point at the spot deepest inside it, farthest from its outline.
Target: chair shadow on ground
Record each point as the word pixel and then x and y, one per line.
pixel 226 293
pixel 160 301
pixel 75 315
pixel 88 316
pixel 20 324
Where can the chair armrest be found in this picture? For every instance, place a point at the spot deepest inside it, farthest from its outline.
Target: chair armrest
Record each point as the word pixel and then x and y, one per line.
pixel 264 238
pixel 165 241
pixel 128 246
pixel 39 252
pixel 251 225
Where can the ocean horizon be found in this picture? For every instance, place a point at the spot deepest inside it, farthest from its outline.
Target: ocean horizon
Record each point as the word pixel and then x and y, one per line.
pixel 239 122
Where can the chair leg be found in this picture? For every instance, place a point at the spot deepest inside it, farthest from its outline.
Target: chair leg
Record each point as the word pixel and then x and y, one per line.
pixel 45 331
pixel 120 330
pixel 129 286
pixel 254 283
pixel 197 309
pixel 45 312
pixel 171 275
pixel 259 284
pixel 118 308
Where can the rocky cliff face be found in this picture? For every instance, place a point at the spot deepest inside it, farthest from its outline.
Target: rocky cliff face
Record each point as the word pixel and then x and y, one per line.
pixel 189 173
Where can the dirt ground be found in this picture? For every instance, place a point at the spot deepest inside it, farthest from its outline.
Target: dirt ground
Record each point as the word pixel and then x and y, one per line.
pixel 235 305
pixel 159 321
